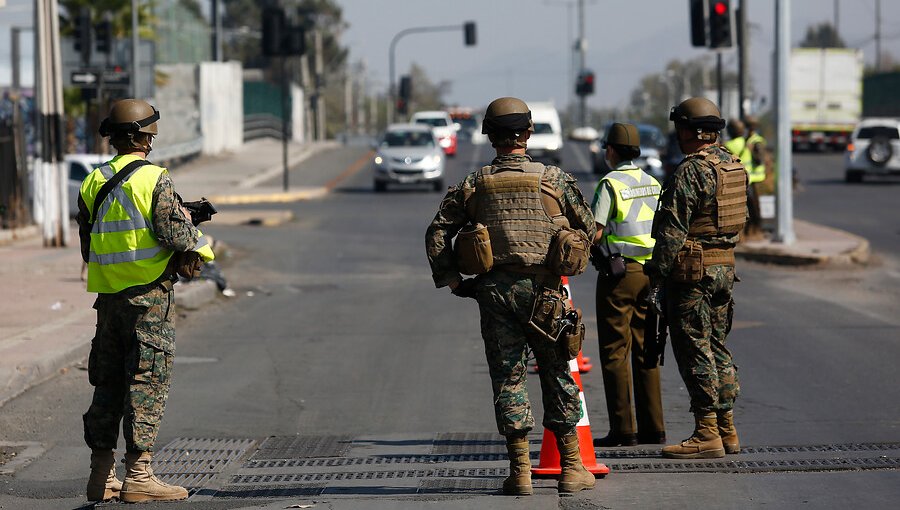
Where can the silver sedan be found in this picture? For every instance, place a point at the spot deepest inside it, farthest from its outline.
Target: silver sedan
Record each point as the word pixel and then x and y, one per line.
pixel 408 154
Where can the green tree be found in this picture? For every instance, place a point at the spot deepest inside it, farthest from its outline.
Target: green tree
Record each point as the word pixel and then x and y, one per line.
pixel 822 35
pixel 427 95
pixel 120 11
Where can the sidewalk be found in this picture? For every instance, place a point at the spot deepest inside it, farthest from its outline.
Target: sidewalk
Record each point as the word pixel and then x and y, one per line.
pixel 46 319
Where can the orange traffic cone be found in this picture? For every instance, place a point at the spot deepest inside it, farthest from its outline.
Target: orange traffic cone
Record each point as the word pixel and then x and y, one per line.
pixel 548 464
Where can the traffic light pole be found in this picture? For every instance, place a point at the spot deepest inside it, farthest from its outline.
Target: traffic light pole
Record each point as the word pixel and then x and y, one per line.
pixel 582 58
pixel 784 232
pixel 391 59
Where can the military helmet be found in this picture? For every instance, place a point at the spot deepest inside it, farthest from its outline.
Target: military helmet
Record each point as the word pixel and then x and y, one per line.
pixel 735 128
pixel 507 115
pixel 698 113
pixel 130 116
pixel 752 122
pixel 625 135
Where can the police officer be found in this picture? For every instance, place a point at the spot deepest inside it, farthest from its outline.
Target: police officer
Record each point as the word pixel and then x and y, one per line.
pixel 739 146
pixel 523 205
pixel 623 207
pixel 756 167
pixel 699 220
pixel 135 236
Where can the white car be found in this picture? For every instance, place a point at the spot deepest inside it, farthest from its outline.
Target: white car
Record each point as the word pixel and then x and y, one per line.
pixel 80 165
pixel 546 142
pixel 584 134
pixel 408 154
pixel 874 148
pixel 443 126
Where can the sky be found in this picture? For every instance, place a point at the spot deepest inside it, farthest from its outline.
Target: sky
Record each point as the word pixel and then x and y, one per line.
pixel 524 46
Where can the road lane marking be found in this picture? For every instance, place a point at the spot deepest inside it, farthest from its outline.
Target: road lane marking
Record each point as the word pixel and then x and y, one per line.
pixel 350 171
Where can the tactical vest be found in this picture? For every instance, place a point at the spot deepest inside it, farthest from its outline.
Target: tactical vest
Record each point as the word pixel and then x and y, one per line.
pixel 757 172
pixel 636 195
pixel 522 213
pixel 124 251
pixel 728 213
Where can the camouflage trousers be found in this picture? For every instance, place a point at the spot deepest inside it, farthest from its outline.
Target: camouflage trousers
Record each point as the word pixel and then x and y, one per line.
pixel 506 301
pixel 700 319
pixel 129 366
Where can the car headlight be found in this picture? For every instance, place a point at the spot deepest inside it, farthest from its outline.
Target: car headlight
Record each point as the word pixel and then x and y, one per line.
pixel 432 161
pixel 379 160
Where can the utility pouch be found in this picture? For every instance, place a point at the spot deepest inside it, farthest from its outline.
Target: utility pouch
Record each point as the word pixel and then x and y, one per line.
pixel 616 265
pixel 473 250
pixel 569 252
pixel 549 306
pixel 187 264
pixel 688 266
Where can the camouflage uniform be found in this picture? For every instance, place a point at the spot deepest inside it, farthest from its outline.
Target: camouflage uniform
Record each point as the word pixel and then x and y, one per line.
pixel 131 357
pixel 699 313
pixel 505 300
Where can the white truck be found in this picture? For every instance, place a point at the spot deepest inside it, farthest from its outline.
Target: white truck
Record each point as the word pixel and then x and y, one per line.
pixel 825 96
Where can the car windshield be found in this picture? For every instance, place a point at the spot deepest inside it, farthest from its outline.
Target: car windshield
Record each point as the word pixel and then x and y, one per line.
pixel 408 139
pixel 651 137
pixel 867 133
pixel 432 121
pixel 541 128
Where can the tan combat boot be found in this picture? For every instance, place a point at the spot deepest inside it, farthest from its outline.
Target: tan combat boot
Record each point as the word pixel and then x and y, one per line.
pixel 573 476
pixel 518 483
pixel 102 484
pixel 141 485
pixel 704 443
pixel 727 432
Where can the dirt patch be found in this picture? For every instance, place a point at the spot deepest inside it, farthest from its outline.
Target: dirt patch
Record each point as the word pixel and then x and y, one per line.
pixel 8 453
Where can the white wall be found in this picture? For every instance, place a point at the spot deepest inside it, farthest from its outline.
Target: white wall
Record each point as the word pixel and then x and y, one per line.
pixel 221 106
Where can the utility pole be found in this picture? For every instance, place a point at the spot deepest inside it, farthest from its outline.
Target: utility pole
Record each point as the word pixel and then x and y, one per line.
pixel 306 81
pixel 878 35
pixel 217 30
pixel 135 41
pixel 743 57
pixel 320 104
pixel 348 100
pixel 582 57
pixel 784 200
pixel 51 190
pixel 837 32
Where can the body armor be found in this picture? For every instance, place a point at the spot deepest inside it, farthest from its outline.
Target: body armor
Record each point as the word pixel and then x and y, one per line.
pixel 729 212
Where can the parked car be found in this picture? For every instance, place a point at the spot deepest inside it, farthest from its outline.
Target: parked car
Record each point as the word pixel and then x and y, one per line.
pixel 408 154
pixel 443 126
pixel 653 142
pixel 80 165
pixel 584 134
pixel 874 148
pixel 546 142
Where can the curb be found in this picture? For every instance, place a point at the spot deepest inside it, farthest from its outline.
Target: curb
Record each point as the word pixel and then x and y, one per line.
pixel 262 198
pixel 194 295
pixel 276 170
pixel 858 255
pixel 17 234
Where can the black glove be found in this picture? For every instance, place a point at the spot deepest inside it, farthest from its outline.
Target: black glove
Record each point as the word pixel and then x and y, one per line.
pixel 465 289
pixel 656 298
pixel 597 258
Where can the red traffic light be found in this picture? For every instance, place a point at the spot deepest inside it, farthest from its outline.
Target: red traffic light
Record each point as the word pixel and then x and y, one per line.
pixel 720 8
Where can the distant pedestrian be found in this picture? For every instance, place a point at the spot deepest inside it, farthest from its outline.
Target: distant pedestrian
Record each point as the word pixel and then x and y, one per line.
pixel 534 227
pixel 700 216
pixel 623 207
pixel 135 237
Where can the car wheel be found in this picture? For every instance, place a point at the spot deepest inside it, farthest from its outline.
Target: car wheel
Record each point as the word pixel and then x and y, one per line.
pixel 879 151
pixel 438 185
pixel 853 176
pixel 380 186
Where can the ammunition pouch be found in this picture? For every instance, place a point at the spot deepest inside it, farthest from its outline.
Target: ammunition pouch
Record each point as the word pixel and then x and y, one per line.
pixel 693 258
pixel 569 252
pixel 554 319
pixel 187 264
pixel 473 250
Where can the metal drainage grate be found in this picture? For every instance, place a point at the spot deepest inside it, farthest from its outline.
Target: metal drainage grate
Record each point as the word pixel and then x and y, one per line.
pixel 635 453
pixel 193 462
pixel 759 466
pixel 456 443
pixel 376 460
pixel 283 478
pixel 294 447
pixel 269 491
pixel 450 486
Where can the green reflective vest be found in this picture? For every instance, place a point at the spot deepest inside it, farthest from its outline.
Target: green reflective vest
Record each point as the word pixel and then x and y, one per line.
pixel 124 251
pixel 757 172
pixel 636 196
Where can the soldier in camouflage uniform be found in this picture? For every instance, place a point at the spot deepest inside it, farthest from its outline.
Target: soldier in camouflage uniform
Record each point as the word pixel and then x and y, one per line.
pixel 506 294
pixel 129 248
pixel 701 213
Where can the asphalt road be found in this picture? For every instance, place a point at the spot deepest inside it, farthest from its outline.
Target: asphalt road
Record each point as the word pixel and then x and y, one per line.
pixel 337 330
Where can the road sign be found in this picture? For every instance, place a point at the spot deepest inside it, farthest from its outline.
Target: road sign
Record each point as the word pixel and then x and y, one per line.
pixel 84 77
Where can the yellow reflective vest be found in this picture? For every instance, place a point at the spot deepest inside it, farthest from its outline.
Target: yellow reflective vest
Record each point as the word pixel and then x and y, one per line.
pixel 636 196
pixel 757 172
pixel 739 148
pixel 124 251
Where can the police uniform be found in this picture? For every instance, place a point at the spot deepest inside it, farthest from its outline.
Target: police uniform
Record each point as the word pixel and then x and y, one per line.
pixel 698 223
pixel 508 197
pixel 624 203
pixel 129 248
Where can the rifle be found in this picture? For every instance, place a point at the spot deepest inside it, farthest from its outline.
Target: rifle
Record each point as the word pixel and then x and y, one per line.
pixel 201 210
pixel 656 331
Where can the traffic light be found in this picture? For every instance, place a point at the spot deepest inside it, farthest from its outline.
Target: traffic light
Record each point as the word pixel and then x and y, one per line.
pixel 103 32
pixel 405 91
pixel 272 31
pixel 584 84
pixel 699 22
pixel 295 41
pixel 721 21
pixel 402 108
pixel 83 35
pixel 469 29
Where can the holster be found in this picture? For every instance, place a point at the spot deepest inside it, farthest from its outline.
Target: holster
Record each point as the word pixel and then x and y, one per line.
pixel 688 266
pixel 473 250
pixel 554 319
